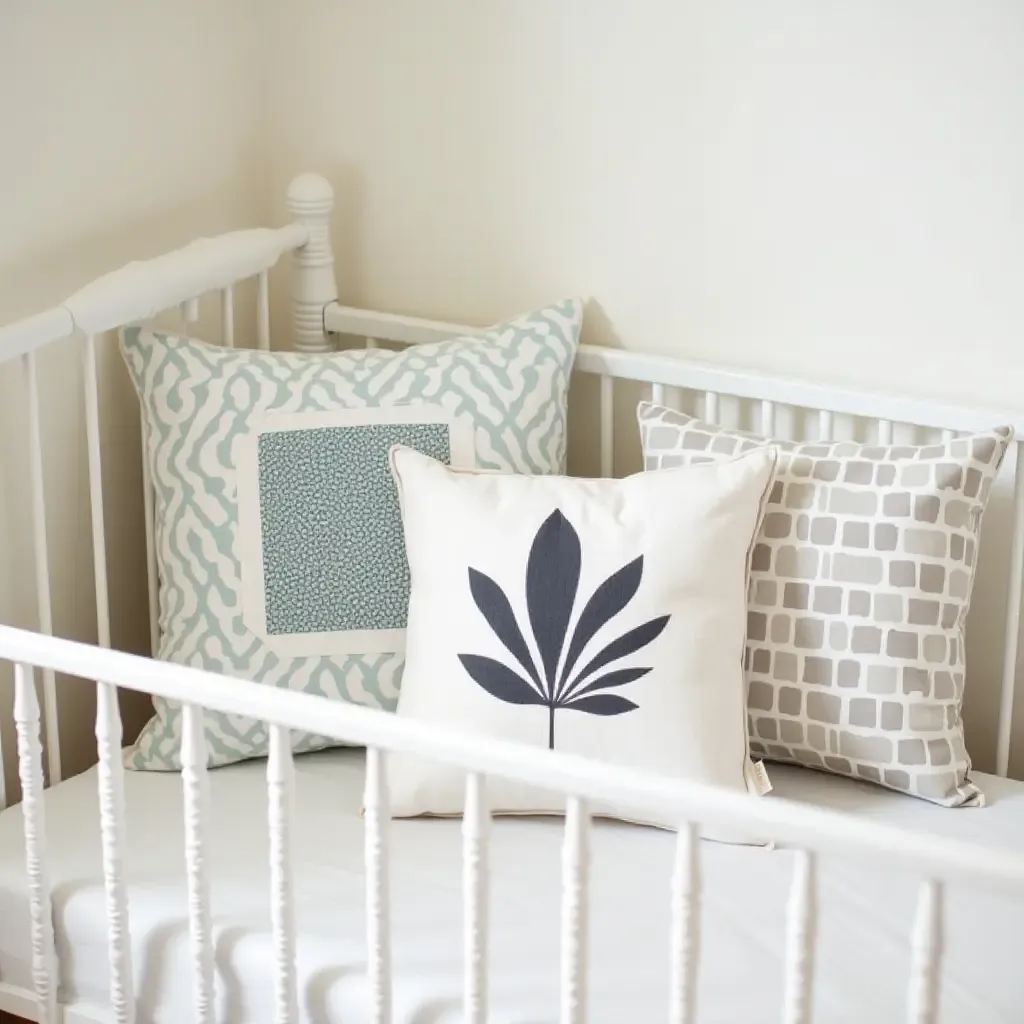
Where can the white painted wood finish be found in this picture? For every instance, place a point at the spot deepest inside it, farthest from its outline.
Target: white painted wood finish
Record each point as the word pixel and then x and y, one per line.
pixel 310 201
pixel 825 425
pixel 767 422
pixel 152 578
pixel 263 311
pixel 885 431
pixel 685 947
pixel 280 786
pixel 926 956
pixel 476 822
pixel 376 814
pixel 575 904
pixel 196 792
pixel 801 934
pixel 784 822
pixel 112 838
pixel 30 769
pixel 99 543
pixel 227 317
pixel 711 407
pixel 658 394
pixel 1013 603
pixel 41 553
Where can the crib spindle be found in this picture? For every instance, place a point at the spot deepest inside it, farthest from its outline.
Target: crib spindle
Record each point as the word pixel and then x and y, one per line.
pixel 370 342
pixel 475 830
pixel 112 832
pixel 575 867
pixel 658 394
pixel 801 929
pixel 767 418
pixel 607 426
pixel 1011 635
pixel 30 769
pixel 263 311
pixel 885 431
pixel 926 956
pixel 948 435
pixel 280 786
pixel 227 317
pixel 148 512
pixel 825 424
pixel 710 407
pixel 196 788
pixel 190 310
pixel 42 565
pixel 99 542
pixel 685 926
pixel 378 914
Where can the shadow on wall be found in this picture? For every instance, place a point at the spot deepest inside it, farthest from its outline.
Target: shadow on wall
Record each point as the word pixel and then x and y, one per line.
pixel 36 282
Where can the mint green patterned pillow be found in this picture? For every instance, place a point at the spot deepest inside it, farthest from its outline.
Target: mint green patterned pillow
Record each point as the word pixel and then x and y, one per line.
pixel 278 539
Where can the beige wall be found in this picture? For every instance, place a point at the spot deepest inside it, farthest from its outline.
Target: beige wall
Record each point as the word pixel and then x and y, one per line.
pixel 821 189
pixel 125 129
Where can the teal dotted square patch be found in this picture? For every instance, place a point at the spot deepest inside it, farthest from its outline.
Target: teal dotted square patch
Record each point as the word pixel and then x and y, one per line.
pixel 331 527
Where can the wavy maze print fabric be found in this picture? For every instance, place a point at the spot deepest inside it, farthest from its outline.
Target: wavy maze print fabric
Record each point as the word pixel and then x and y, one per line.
pixel 860 585
pixel 507 385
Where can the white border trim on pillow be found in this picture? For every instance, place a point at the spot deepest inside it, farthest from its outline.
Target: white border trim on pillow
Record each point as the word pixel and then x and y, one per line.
pixel 250 540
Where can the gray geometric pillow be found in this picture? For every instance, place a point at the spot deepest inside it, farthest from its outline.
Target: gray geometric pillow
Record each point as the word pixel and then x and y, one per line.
pixel 860 585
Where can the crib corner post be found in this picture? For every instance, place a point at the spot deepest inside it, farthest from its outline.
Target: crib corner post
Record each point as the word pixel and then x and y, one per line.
pixel 310 201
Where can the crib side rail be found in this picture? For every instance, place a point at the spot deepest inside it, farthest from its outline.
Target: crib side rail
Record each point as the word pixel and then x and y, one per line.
pixel 812 831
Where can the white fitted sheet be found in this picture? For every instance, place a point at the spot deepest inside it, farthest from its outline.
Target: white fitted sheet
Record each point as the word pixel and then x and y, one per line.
pixel 863 953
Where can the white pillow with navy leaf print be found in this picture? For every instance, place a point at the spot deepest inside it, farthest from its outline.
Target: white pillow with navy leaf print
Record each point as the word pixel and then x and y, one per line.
pixel 278 536
pixel 604 618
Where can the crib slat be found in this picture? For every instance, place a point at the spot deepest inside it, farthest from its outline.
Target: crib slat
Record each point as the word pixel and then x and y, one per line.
pixel 112 832
pixel 711 407
pixel 263 311
pixel 685 926
pixel 30 769
pixel 825 424
pixel 227 317
pixel 280 784
pixel 475 834
pixel 152 581
pixel 658 394
pixel 575 868
pixel 99 542
pixel 196 788
pixel 1011 638
pixel 190 310
pixel 371 342
pixel 42 564
pixel 801 933
pixel 607 426
pixel 926 956
pixel 767 418
pixel 948 435
pixel 885 431
pixel 378 913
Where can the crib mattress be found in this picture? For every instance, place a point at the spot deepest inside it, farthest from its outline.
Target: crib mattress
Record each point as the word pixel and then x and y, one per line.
pixel 863 951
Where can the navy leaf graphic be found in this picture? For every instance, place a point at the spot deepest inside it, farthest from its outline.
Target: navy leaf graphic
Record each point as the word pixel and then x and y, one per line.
pixel 628 643
pixel 495 608
pixel 500 681
pixel 602 704
pixel 552 576
pixel 606 602
pixel 611 679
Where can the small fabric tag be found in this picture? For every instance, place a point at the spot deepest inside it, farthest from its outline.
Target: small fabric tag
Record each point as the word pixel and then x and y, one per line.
pixel 761 780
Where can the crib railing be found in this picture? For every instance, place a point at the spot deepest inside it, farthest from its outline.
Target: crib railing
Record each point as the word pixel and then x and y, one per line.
pixel 812 831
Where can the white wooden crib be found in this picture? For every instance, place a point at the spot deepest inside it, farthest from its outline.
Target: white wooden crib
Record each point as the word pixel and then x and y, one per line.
pixel 810 831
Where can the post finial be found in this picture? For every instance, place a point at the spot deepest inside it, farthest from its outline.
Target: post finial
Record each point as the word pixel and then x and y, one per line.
pixel 310 200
